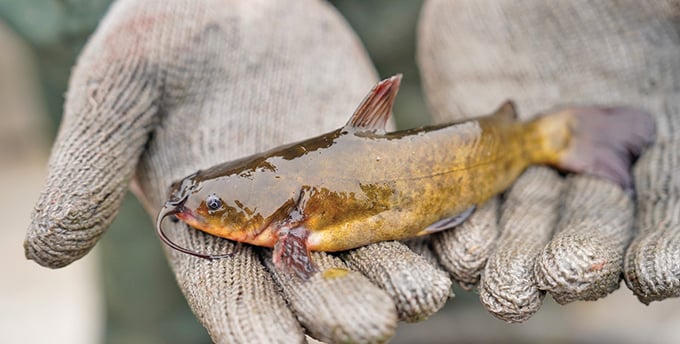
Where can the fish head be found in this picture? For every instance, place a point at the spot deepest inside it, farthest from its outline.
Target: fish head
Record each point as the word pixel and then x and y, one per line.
pixel 177 206
pixel 203 205
pixel 193 203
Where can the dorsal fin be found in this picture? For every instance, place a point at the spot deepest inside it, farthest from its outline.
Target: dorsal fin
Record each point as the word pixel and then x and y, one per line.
pixel 507 110
pixel 375 109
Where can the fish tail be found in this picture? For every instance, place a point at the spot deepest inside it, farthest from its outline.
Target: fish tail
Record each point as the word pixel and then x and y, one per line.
pixel 600 141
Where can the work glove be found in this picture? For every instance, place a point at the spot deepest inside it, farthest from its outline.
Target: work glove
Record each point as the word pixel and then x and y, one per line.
pixel 572 237
pixel 167 87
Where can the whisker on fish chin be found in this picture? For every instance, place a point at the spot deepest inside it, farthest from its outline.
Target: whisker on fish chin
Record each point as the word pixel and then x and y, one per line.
pixel 171 210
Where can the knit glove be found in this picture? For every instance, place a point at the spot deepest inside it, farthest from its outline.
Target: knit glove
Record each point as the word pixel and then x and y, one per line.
pixel 572 237
pixel 167 87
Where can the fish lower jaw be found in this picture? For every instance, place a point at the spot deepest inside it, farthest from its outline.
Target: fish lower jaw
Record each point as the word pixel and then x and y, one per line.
pixel 264 239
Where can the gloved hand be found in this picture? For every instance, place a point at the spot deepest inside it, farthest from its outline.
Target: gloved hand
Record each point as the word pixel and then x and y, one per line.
pixel 164 88
pixel 565 236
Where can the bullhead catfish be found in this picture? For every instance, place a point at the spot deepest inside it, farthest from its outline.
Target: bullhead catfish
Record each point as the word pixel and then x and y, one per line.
pixel 359 185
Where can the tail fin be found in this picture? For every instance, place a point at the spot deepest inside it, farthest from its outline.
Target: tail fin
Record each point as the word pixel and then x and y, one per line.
pixel 603 141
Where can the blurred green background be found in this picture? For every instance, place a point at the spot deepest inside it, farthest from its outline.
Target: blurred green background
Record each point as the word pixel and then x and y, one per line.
pixel 142 303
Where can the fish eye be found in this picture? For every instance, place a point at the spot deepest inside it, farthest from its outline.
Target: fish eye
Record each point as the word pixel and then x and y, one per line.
pixel 213 202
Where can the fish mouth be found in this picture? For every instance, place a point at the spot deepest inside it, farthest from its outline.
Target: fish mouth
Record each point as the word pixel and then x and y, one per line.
pixel 174 207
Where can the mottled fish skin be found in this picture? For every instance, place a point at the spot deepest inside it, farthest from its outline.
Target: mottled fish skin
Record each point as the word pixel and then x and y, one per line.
pixel 358 185
pixel 354 188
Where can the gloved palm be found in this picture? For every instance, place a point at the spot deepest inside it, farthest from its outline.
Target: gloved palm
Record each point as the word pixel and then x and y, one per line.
pixel 565 236
pixel 165 88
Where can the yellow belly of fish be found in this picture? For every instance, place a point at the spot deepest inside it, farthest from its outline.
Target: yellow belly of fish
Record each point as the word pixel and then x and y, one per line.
pixel 433 199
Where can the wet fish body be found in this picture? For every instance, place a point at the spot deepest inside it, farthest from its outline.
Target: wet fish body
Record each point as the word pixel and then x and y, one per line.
pixel 359 185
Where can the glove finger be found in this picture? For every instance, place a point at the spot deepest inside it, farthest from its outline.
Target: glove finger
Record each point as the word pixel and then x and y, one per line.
pixel 464 250
pixel 529 214
pixel 652 260
pixel 584 260
pixel 95 152
pixel 338 305
pixel 417 287
pixel 422 246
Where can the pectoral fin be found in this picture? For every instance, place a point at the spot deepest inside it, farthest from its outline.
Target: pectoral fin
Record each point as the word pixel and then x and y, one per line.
pixel 291 254
pixel 448 222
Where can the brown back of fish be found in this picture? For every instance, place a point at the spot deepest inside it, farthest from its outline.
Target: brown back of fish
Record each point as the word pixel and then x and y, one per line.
pixel 411 179
pixel 427 175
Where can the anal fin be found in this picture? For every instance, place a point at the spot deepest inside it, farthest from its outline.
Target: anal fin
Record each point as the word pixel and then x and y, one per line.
pixel 291 254
pixel 448 222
